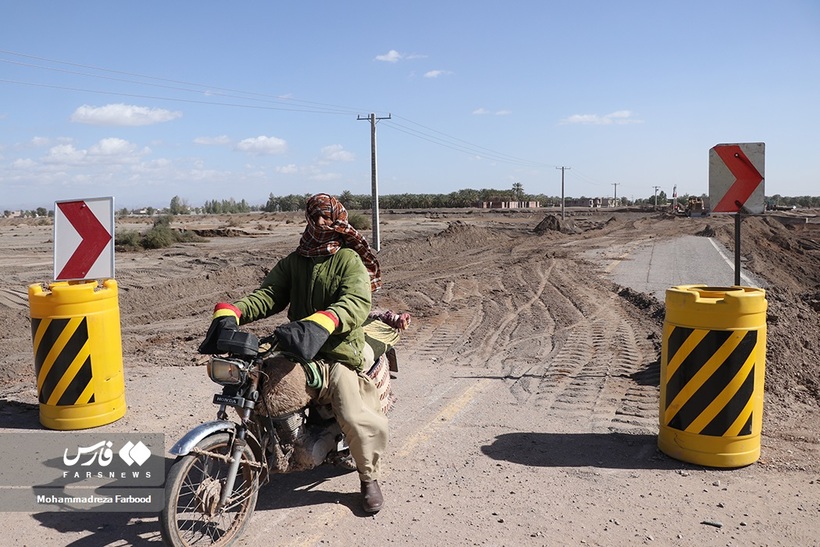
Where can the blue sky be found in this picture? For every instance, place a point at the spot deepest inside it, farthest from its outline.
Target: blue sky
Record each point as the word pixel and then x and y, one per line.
pixel 207 100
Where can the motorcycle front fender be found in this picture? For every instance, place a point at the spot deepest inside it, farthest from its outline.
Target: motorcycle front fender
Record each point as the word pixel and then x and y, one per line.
pixel 190 439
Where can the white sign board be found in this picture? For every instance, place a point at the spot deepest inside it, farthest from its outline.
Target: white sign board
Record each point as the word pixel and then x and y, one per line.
pixel 84 239
pixel 736 178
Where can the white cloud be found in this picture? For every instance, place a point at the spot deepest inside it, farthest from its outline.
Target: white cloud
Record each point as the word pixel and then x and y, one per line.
pixel 436 73
pixel 221 140
pixel 263 146
pixel 122 115
pixel 113 148
pixel 319 176
pixel 484 112
pixel 154 165
pixel 619 117
pixel 109 151
pixel 336 152
pixel 65 154
pixel 391 56
pixel 23 163
pixel 290 169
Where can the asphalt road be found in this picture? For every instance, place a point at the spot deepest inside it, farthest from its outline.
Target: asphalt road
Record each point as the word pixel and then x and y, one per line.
pixel 653 267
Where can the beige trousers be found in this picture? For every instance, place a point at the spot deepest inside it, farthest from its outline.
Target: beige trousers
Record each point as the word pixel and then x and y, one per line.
pixel 357 408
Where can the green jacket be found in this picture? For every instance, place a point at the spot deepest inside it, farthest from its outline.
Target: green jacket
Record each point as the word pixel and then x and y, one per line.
pixel 338 283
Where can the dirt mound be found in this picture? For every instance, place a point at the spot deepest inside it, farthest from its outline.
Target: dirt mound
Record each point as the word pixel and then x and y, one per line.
pixel 787 257
pixel 706 232
pixel 642 301
pixel 552 223
pixel 220 232
pixel 462 235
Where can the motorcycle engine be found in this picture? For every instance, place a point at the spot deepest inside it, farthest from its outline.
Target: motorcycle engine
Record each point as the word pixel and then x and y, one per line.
pixel 289 426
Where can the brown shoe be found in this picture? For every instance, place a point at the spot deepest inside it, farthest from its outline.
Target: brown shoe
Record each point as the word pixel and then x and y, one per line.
pixel 372 499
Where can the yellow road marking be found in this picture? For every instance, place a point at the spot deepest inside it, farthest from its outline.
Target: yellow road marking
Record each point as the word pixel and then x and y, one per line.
pixel 445 415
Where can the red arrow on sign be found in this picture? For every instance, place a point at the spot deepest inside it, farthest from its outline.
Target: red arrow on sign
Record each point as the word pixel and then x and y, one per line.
pixel 746 174
pixel 94 239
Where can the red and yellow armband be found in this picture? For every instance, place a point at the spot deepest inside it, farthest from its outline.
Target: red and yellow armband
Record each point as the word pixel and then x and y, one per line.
pixel 305 338
pixel 325 319
pixel 224 309
pixel 225 318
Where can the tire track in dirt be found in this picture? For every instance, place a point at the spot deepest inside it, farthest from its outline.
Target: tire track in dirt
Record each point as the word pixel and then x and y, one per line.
pixel 14 299
pixel 586 379
pixel 542 321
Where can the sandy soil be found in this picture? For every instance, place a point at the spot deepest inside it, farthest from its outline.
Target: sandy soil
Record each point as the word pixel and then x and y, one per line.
pixel 528 387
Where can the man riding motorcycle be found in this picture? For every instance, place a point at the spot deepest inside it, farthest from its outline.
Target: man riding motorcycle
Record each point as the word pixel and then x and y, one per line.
pixel 326 284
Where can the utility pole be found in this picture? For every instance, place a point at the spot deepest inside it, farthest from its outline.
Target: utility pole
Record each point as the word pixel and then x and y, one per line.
pixel 563 216
pixel 615 184
pixel 374 185
pixel 656 195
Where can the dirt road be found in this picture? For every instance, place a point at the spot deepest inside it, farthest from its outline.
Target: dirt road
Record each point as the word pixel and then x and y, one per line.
pixel 528 387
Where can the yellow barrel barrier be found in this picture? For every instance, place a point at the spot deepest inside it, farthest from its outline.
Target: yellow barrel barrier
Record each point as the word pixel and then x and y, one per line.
pixel 712 369
pixel 75 327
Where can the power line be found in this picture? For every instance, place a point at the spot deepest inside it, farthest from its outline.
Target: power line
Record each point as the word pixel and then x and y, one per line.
pixel 473 148
pixel 205 88
pixel 459 145
pixel 258 101
pixel 588 179
pixel 173 99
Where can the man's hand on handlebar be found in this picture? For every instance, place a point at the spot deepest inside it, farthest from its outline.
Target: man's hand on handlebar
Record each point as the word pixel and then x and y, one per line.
pixel 225 320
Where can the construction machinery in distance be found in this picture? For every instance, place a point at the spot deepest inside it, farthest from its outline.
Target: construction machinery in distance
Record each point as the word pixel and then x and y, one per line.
pixel 695 207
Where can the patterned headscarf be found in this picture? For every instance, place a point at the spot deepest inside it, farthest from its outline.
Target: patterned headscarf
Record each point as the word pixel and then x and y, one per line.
pixel 325 240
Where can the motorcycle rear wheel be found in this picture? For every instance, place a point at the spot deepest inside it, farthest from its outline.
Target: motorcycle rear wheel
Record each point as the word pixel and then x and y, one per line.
pixel 192 491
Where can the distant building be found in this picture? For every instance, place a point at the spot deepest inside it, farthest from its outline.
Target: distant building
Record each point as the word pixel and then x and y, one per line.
pixel 593 203
pixel 510 204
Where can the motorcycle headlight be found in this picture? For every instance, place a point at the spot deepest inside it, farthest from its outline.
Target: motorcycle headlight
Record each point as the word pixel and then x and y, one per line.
pixel 227 372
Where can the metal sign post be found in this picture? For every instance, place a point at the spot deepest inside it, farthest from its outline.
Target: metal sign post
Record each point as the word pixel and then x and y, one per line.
pixel 736 184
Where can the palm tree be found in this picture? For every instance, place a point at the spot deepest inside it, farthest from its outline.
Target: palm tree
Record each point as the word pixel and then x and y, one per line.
pixel 518 191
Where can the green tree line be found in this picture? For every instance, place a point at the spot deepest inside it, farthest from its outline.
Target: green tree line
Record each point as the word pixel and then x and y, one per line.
pixel 461 198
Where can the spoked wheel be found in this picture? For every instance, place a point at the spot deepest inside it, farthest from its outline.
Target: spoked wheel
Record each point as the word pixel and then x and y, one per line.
pixel 194 484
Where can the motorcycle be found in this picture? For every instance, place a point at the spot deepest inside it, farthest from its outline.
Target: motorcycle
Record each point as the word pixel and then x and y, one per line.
pixel 212 487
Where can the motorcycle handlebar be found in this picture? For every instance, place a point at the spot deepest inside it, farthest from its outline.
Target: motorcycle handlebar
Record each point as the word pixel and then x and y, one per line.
pixel 236 342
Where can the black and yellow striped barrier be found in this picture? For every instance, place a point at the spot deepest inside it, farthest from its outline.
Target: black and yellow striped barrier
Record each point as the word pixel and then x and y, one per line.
pixel 712 370
pixel 75 327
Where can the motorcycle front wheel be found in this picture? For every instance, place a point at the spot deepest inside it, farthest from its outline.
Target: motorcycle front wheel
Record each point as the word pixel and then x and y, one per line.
pixel 192 491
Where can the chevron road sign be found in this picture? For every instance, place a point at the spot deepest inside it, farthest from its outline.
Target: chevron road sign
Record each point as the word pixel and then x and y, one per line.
pixel 736 178
pixel 84 239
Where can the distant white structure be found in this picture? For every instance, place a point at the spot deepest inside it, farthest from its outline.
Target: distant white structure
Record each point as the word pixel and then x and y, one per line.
pixel 510 204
